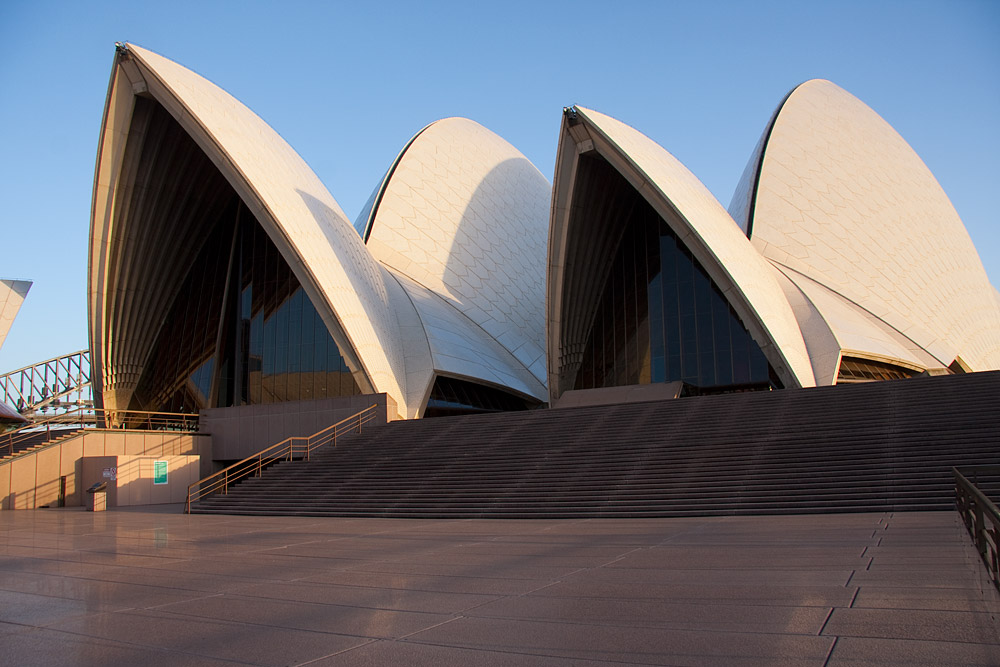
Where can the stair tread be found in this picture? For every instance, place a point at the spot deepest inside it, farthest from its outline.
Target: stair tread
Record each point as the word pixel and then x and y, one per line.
pixel 854 448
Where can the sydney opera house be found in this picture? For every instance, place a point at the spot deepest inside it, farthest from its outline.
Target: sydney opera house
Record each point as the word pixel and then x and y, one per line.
pixel 223 273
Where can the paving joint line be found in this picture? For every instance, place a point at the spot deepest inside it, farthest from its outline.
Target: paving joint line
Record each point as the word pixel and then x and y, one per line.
pixel 558 656
pixel 825 622
pixel 138 645
pixel 829 653
pixel 342 651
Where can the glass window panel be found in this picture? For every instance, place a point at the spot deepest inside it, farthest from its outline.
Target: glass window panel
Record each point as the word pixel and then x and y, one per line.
pixel 853 369
pixel 741 363
pixel 706 367
pixel 689 365
pixel 720 325
pixel 619 320
pixel 656 342
pixel 689 330
pixel 658 369
pixel 758 364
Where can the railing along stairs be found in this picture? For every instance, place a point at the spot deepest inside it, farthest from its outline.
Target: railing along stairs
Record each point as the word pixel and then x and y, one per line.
pixel 980 514
pixel 295 447
pixel 45 431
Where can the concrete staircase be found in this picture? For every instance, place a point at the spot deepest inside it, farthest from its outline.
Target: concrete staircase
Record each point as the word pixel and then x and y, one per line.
pixel 859 448
pixel 26 443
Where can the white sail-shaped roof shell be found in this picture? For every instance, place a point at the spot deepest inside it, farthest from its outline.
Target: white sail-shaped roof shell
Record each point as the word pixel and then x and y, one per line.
pixel 465 215
pixel 837 196
pixel 746 279
pixel 834 327
pixel 12 294
pixel 300 216
pixel 461 201
pixel 458 347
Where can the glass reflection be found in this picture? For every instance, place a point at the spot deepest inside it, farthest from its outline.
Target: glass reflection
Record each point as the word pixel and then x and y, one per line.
pixel 856 369
pixel 242 331
pixel 661 318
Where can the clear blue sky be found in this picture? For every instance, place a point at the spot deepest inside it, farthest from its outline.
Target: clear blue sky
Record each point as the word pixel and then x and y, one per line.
pixel 346 84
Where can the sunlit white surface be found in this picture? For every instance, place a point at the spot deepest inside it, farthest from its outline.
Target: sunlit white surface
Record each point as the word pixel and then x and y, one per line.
pixel 842 199
pixel 12 294
pixel 465 215
pixel 831 326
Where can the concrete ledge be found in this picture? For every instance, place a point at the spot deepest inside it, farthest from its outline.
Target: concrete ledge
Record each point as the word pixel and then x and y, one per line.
pixel 636 393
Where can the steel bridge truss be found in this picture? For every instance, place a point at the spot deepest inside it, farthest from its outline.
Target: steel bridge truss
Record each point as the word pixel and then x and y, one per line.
pixel 49 387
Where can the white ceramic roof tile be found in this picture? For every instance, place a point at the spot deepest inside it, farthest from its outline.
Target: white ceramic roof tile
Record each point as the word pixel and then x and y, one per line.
pixel 460 347
pixel 414 346
pixel 306 215
pixel 731 251
pixel 465 214
pixel 868 220
pixel 821 343
pixel 854 330
pixel 12 294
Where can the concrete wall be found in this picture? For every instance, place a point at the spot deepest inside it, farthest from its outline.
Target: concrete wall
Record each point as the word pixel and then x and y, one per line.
pixel 245 430
pixel 32 480
pixel 635 393
pixel 132 479
pixel 226 434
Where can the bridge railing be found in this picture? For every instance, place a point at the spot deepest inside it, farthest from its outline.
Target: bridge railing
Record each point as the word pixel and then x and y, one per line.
pixel 61 383
pixel 980 515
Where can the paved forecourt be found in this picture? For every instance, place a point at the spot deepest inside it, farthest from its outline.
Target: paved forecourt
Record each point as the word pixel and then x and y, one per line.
pixel 159 587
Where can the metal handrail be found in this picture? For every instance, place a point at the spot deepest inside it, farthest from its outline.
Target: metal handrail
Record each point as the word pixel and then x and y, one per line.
pixel 976 509
pixel 84 417
pixel 290 448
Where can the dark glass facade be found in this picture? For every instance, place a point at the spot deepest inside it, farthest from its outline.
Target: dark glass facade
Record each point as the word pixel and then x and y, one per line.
pixel 179 374
pixel 451 396
pixel 275 347
pixel 241 329
pixel 660 318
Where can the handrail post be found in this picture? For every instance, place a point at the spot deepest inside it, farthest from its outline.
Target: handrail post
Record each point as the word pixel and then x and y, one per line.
pixel 996 556
pixel 225 484
pixel 980 534
pixel 976 509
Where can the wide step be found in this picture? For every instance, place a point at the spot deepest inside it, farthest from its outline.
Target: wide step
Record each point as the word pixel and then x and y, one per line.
pixel 872 447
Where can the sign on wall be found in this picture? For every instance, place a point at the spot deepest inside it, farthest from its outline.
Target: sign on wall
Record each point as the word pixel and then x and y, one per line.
pixel 159 472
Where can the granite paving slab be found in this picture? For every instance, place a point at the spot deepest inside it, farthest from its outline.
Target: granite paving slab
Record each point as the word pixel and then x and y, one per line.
pixel 152 586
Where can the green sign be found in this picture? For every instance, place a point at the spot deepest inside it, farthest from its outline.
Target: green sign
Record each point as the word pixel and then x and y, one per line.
pixel 159 472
